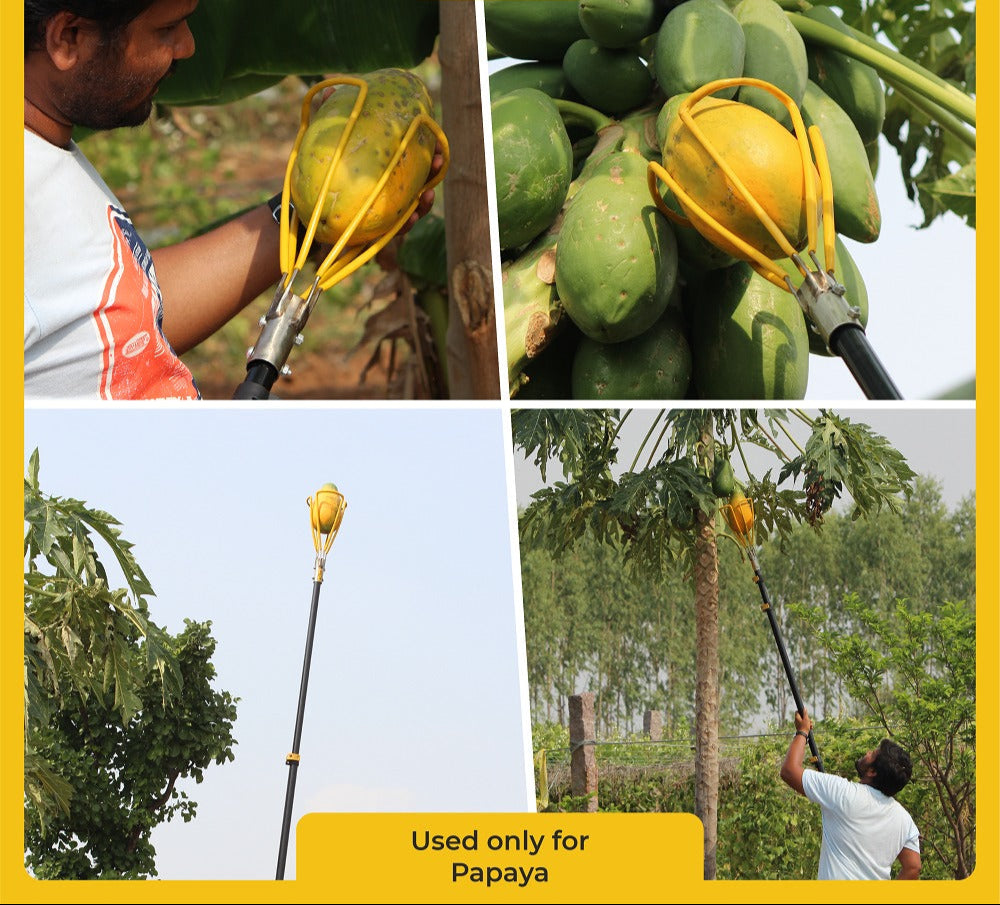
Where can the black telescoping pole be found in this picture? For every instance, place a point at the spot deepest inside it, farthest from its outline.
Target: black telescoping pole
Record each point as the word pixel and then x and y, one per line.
pixel 783 653
pixel 851 344
pixel 261 376
pixel 293 759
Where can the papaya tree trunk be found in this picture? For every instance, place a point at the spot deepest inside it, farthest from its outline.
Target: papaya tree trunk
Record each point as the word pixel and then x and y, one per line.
pixel 473 370
pixel 706 699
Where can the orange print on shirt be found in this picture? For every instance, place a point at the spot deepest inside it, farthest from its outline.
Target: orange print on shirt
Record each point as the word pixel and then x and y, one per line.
pixel 138 362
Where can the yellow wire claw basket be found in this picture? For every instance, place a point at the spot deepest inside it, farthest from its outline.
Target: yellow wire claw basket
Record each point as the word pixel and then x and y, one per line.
pixel 282 325
pixel 345 257
pixel 739 515
pixel 326 512
pixel 819 294
pixel 817 197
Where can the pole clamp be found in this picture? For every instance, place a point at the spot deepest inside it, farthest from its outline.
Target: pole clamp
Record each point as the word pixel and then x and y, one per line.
pixel 292 758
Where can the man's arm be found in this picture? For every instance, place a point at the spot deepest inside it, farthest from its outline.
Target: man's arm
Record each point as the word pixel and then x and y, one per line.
pixel 210 278
pixel 791 769
pixel 909 865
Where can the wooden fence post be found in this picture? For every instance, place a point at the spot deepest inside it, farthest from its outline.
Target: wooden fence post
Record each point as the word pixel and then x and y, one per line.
pixel 652 725
pixel 583 760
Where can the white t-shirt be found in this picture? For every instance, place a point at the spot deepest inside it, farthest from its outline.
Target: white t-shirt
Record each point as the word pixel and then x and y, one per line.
pixel 92 307
pixel 863 830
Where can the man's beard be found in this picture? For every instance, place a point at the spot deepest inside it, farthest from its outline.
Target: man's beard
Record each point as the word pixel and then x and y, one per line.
pixel 861 767
pixel 102 87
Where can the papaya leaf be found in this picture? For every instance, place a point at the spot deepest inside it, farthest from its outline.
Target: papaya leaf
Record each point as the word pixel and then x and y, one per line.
pixel 244 45
pixel 956 192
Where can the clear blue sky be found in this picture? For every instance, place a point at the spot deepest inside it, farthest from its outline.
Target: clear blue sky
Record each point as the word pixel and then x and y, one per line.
pixel 414 698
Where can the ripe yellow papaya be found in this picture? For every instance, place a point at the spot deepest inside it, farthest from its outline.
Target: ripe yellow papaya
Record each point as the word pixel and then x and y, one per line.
pixel 765 158
pixel 327 504
pixel 739 513
pixel 394 98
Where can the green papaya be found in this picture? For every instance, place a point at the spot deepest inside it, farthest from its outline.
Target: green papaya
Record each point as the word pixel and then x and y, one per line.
pixel 775 53
pixel 613 81
pixel 548 376
pixel 548 78
pixel 853 85
pixel 748 338
pixel 699 41
pixel 855 204
pixel 666 117
pixel 846 273
pixel 618 23
pixel 394 98
pixel 533 163
pixel 533 29
pixel 532 312
pixel 616 260
pixel 723 478
pixel 656 364
pixel 696 253
pixel 871 151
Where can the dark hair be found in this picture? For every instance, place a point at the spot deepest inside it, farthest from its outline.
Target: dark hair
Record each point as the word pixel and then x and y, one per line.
pixel 111 16
pixel 892 768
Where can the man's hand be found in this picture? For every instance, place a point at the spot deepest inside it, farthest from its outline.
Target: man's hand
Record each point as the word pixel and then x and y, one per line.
pixel 791 769
pixel 802 722
pixel 427 198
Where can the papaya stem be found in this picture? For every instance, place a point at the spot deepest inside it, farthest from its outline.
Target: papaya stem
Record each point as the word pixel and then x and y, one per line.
pixel 889 64
pixel 774 443
pixel 948 122
pixel 803 417
pixel 784 430
pixel 574 114
pixel 739 448
pixel 621 423
pixel 645 439
pixel 656 445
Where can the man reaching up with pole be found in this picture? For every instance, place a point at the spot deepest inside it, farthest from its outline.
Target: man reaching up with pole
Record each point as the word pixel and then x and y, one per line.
pixel 865 830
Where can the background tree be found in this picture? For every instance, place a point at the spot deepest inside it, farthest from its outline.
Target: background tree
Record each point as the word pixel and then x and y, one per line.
pixel 117 710
pixel 915 673
pixel 665 510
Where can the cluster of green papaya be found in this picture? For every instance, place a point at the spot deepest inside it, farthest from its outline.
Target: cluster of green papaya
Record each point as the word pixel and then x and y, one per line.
pixel 604 296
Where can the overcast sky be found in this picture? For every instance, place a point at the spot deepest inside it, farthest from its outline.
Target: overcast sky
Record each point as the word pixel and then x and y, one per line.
pixel 937 442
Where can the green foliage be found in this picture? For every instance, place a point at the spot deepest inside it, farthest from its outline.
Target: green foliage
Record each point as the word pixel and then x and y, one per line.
pixel 916 673
pixel 650 511
pixel 630 639
pixel 117 710
pixel 939 171
pixel 246 45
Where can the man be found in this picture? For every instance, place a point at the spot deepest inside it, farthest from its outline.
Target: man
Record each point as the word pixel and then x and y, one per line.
pixel 104 317
pixel 865 830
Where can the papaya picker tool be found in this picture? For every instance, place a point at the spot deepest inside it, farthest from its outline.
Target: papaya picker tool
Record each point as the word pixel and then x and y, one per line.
pixel 821 297
pixel 326 512
pixel 282 325
pixel 740 516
